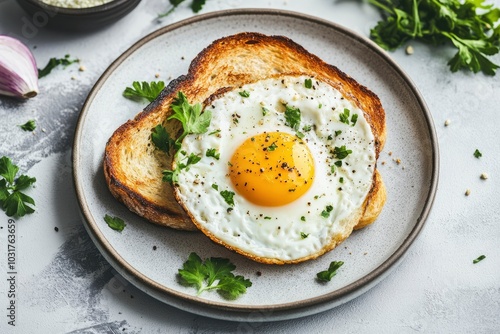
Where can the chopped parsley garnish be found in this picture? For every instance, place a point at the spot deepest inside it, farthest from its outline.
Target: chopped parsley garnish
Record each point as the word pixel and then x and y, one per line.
pixel 344 117
pixel 320 106
pixel 228 196
pixel 326 213
pixel 292 117
pixel 303 218
pixel 304 235
pixel 307 128
pixel 214 132
pixel 332 169
pixel 477 154
pixel 479 259
pixel 29 125
pixel 354 119
pixel 299 134
pixel 196 6
pixel 212 152
pixel 115 223
pixel 267 217
pixel 172 176
pixel 244 93
pixel 341 180
pixel 308 83
pixel 341 152
pixel 161 139
pixel 213 274
pixel 216 187
pixel 327 275
pixel 265 111
pixel 53 63
pixel 329 137
pixel 12 200
pixel 144 90
pixel 272 147
pixel 338 163
pixel 337 133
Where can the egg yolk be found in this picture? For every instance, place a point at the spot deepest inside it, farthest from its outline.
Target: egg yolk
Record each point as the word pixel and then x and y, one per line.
pixel 272 169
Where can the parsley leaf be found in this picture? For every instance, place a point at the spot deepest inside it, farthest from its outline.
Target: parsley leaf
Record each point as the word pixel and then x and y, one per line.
pixel 53 63
pixel 327 275
pixel 477 154
pixel 193 121
pixel 354 119
pixel 172 176
pixel 161 139
pixel 115 223
pixel 144 90
pixel 341 152
pixel 470 26
pixel 344 117
pixel 212 152
pixel 480 258
pixel 29 125
pixel 308 83
pixel 12 200
pixel 272 147
pixel 197 5
pixel 326 213
pixel 244 93
pixel 292 117
pixel 304 235
pixel 213 274
pixel 228 196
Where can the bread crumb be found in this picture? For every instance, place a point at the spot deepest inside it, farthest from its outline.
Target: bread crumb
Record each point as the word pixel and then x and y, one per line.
pixel 81 68
pixel 157 75
pixel 484 176
pixel 467 192
pixel 447 122
pixel 398 161
pixel 409 50
pixel 383 162
pixel 390 153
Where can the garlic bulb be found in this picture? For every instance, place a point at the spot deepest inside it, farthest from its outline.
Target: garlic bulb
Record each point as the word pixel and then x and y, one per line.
pixel 18 71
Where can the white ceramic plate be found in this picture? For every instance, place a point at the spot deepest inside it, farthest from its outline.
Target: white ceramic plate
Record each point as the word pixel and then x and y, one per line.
pixel 279 292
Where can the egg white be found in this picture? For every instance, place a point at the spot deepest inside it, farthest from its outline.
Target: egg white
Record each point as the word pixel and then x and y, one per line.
pixel 278 232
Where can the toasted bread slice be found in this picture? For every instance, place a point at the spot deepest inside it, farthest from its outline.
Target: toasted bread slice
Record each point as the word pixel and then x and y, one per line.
pixel 133 167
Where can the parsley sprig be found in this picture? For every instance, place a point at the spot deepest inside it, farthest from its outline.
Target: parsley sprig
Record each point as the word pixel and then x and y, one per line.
pixel 213 274
pixel 116 223
pixel 54 62
pixel 196 6
pixel 29 125
pixel 145 90
pixel 172 176
pixel 469 25
pixel 12 200
pixel 327 275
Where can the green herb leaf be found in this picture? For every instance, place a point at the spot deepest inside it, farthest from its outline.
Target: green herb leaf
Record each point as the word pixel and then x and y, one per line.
pixel 214 132
pixel 228 196
pixel 338 163
pixel 161 139
pixel 327 275
pixel 29 125
pixel 172 176
pixel 115 223
pixel 216 187
pixel 192 119
pixel 308 83
pixel 344 117
pixel 470 26
pixel 212 152
pixel 303 218
pixel 337 133
pixel 144 90
pixel 292 117
pixel 12 200
pixel 265 111
pixel 341 152
pixel 477 154
pixel 272 147
pixel 480 258
pixel 54 62
pixel 307 128
pixel 244 93
pixel 326 213
pixel 213 274
pixel 304 235
pixel 197 5
pixel 354 119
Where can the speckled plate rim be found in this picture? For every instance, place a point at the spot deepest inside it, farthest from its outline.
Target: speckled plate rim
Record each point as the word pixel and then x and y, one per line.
pixel 269 312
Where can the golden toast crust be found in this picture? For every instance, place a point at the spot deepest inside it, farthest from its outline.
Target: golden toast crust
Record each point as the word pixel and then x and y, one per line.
pixel 133 167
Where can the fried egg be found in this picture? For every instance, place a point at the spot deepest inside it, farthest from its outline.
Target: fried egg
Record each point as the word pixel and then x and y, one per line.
pixel 285 164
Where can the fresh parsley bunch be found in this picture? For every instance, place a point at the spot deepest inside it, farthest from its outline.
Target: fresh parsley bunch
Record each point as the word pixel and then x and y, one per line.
pixel 469 25
pixel 12 200
pixel 144 90
pixel 213 274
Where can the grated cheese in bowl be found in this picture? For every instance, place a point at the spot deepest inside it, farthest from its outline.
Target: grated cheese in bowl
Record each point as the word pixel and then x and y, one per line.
pixel 75 3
